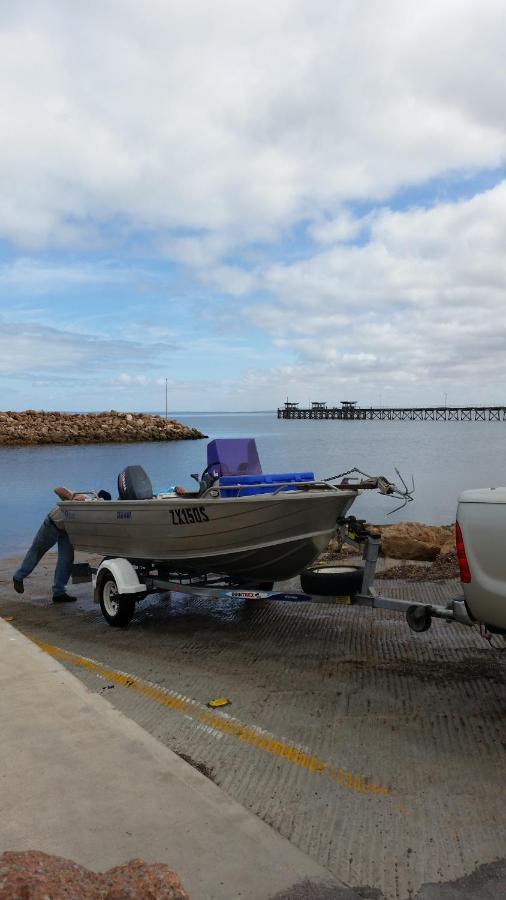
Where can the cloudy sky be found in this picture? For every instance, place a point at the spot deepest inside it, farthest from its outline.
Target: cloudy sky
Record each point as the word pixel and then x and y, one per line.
pixel 252 200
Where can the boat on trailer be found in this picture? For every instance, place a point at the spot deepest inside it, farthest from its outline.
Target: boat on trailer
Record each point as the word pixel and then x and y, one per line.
pixel 240 532
pixel 241 523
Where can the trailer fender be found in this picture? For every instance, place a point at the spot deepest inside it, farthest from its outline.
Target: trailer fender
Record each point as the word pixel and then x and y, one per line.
pixel 124 574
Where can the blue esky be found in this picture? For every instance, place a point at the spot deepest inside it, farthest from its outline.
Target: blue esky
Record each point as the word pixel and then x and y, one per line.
pixel 253 202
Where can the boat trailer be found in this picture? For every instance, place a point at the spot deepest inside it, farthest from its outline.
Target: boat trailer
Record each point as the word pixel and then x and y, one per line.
pixel 119 583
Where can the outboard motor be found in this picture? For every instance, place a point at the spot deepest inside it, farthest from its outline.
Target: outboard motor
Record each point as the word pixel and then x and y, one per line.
pixel 134 484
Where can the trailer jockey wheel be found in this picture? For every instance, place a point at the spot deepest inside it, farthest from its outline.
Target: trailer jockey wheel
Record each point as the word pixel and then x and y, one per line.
pixel 117 609
pixel 419 618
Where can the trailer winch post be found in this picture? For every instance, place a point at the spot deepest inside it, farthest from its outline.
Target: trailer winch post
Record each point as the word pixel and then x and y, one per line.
pixel 356 534
pixel 370 556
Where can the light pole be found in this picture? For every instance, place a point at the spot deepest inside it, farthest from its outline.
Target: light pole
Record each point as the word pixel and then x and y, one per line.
pixel 166 408
pixel 446 395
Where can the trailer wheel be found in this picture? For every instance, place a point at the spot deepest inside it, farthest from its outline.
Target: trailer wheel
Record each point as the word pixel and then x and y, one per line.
pixel 418 618
pixel 332 580
pixel 117 609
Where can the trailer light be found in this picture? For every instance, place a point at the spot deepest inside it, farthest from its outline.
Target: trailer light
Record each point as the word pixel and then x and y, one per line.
pixel 465 572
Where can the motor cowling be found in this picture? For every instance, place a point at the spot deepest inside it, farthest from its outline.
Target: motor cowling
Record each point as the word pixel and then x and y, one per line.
pixel 134 484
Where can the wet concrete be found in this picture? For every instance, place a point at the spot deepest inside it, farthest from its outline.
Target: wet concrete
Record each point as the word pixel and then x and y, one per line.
pixel 378 752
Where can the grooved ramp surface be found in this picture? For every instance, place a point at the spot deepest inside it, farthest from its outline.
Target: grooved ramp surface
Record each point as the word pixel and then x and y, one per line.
pixel 378 752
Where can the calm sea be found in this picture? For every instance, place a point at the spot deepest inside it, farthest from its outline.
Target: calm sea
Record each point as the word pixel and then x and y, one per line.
pixel 444 458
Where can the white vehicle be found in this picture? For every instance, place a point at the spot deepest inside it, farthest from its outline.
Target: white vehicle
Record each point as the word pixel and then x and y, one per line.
pixel 481 550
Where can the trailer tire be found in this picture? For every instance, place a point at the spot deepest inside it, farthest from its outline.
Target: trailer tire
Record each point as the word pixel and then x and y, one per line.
pixel 332 580
pixel 117 609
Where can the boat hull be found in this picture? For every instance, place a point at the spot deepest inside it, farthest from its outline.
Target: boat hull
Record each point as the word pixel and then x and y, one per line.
pixel 262 537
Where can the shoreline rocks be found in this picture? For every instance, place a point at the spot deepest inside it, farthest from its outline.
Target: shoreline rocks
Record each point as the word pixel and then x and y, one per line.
pixel 413 551
pixel 413 541
pixel 33 427
pixel 444 568
pixel 416 541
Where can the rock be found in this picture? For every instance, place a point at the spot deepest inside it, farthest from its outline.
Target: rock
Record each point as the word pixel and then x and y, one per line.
pixel 32 875
pixel 407 548
pixel 415 540
pixel 137 879
pixel 444 568
pixel 447 547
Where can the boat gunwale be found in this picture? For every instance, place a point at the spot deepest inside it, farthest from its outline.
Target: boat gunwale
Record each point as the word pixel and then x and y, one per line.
pixel 284 496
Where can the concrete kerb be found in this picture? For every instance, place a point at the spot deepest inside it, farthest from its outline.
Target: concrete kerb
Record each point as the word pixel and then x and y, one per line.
pixel 80 780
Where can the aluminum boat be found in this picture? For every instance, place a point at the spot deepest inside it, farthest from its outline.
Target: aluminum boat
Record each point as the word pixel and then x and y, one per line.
pixel 241 522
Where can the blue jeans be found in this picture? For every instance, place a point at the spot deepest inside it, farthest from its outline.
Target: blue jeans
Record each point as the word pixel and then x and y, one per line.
pixel 47 536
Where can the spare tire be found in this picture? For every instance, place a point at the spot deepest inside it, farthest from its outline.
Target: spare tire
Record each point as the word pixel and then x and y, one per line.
pixel 332 580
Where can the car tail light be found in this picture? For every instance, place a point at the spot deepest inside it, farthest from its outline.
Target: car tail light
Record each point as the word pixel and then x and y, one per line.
pixel 465 572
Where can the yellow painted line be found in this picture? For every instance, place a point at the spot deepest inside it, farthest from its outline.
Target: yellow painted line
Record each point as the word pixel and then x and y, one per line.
pixel 224 724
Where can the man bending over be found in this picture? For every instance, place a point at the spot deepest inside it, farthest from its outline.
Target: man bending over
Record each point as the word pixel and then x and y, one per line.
pixel 51 532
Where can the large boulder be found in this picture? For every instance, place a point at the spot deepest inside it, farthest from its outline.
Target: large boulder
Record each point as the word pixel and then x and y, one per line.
pixel 399 547
pixel 415 540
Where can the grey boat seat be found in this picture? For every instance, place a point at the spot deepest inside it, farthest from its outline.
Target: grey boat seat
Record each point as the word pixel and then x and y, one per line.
pixel 134 484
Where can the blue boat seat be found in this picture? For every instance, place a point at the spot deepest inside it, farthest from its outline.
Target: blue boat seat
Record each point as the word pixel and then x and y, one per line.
pixel 246 485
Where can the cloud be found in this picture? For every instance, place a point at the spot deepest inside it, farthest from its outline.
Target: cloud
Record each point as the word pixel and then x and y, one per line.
pixel 33 349
pixel 230 179
pixel 28 275
pixel 423 301
pixel 126 380
pixel 344 227
pixel 233 120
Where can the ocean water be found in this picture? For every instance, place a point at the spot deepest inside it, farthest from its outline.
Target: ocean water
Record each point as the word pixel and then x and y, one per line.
pixel 444 458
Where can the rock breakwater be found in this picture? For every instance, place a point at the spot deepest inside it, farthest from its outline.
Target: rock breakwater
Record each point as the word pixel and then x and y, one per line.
pixel 34 427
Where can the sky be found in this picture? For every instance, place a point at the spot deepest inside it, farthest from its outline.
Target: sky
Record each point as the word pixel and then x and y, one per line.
pixel 252 201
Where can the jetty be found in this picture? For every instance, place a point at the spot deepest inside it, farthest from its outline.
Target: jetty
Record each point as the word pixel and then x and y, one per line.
pixel 350 411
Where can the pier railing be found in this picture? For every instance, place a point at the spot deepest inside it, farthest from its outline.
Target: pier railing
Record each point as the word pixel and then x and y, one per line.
pixel 398 414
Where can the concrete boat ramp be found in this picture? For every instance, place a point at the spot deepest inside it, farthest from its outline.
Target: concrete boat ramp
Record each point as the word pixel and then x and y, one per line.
pixel 353 759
